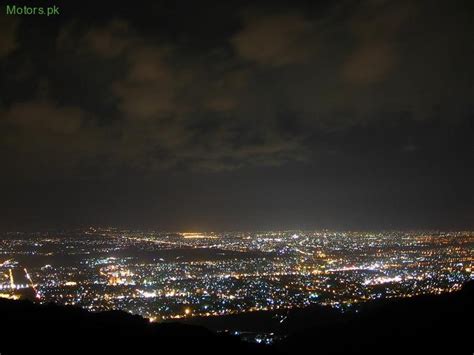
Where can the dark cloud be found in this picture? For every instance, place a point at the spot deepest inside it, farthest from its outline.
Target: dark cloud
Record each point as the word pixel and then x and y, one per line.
pixel 179 112
pixel 108 41
pixel 8 35
pixel 370 63
pixel 328 89
pixel 276 40
pixel 231 106
pixel 71 140
pixel 376 27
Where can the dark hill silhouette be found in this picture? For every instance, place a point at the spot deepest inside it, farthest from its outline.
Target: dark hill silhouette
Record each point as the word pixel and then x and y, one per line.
pixel 440 324
pixel 26 327
pixel 430 324
pixel 282 322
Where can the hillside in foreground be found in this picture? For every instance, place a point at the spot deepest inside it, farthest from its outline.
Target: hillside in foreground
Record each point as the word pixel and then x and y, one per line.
pixel 441 324
pixel 429 324
pixel 27 328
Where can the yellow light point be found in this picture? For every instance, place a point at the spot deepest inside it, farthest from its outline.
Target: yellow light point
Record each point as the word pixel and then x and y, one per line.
pixel 12 282
pixel 197 236
pixel 10 297
pixel 5 262
pixel 187 311
pixel 31 283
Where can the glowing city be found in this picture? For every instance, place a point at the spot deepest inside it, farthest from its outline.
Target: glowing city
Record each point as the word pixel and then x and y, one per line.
pixel 177 275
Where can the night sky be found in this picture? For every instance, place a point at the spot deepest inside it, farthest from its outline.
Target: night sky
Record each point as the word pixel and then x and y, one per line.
pixel 238 115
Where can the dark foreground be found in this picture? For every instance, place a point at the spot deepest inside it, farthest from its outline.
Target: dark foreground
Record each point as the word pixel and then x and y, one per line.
pixel 422 325
pixel 442 324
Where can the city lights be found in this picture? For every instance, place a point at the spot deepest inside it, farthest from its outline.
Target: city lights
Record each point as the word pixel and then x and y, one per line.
pixel 176 275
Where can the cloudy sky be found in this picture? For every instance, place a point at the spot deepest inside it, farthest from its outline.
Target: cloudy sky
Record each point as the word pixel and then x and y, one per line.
pixel 224 115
